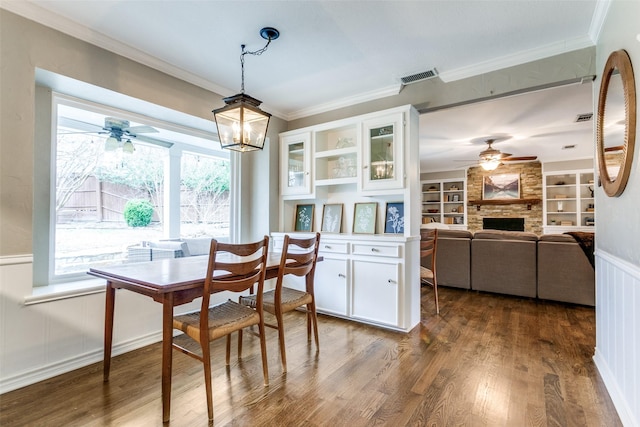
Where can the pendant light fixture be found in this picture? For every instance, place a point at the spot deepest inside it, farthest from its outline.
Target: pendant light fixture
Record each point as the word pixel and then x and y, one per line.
pixel 242 125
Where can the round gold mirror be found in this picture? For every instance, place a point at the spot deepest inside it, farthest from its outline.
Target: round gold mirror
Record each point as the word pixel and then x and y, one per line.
pixel 616 129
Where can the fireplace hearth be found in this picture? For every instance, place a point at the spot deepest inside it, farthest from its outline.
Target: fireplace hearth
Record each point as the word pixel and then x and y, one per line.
pixel 508 224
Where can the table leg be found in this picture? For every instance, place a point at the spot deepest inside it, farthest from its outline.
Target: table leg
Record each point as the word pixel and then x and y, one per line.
pixel 167 340
pixel 108 329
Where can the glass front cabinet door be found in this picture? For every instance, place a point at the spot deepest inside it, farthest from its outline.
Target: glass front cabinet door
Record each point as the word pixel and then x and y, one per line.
pixel 382 153
pixel 295 151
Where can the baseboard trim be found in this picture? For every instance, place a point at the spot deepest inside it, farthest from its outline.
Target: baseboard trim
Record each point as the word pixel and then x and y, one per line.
pixel 45 372
pixel 619 401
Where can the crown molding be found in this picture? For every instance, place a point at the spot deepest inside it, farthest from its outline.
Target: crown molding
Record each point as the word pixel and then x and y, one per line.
pixel 597 21
pixel 519 58
pixel 345 102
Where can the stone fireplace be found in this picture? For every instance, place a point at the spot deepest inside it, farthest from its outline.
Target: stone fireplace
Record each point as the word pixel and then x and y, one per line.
pixel 530 188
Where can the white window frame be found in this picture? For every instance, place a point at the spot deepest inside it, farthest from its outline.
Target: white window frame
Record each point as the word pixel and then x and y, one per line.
pixel 45 182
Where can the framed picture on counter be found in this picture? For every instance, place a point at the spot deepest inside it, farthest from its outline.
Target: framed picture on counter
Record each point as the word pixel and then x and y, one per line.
pixel 364 218
pixel 394 218
pixel 331 218
pixel 304 218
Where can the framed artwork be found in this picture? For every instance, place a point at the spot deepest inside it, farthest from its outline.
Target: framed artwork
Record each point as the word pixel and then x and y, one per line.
pixel 496 187
pixel 394 218
pixel 364 218
pixel 331 218
pixel 304 218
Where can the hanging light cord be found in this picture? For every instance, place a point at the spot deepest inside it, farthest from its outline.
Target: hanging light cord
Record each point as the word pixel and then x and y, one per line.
pixel 246 52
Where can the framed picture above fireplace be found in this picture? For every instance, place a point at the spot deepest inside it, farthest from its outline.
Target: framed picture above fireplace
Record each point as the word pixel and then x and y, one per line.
pixel 497 187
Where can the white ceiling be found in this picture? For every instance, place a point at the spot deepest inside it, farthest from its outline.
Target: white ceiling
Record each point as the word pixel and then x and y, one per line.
pixel 534 124
pixel 337 53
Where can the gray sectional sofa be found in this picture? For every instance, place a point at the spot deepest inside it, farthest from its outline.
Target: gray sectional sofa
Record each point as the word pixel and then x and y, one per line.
pixel 552 267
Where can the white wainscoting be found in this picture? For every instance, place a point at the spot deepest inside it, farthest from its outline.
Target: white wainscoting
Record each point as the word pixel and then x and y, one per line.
pixel 43 340
pixel 617 355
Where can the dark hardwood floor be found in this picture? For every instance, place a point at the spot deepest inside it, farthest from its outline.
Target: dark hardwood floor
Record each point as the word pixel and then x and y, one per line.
pixel 487 360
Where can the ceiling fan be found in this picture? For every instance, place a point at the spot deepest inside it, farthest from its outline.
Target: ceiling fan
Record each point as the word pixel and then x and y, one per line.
pixel 491 158
pixel 118 129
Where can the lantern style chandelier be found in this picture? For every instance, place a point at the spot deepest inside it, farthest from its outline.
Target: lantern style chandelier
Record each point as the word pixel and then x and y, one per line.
pixel 242 125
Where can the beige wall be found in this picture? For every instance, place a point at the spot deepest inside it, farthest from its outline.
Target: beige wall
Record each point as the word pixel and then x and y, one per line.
pixel 618 218
pixel 618 242
pixel 26 45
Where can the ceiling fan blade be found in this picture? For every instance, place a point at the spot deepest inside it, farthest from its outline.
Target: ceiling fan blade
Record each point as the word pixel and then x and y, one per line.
pixel 83 133
pixel 519 159
pixel 154 141
pixel 140 129
pixel 80 126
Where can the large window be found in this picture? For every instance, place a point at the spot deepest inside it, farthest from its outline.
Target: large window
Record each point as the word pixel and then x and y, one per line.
pixel 122 181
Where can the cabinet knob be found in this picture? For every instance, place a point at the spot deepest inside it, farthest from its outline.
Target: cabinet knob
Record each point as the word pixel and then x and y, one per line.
pixel 374 249
pixel 342 276
pixel 365 166
pixel 327 247
pixel 391 281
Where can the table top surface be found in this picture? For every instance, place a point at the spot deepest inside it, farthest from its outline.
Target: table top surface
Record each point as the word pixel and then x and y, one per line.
pixel 166 274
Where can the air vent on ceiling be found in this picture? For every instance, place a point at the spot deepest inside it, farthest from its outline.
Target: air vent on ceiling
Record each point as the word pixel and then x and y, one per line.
pixel 584 117
pixel 418 77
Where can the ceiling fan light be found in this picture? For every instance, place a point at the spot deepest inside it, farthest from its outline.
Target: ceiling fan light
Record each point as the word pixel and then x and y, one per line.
pixel 127 147
pixel 111 144
pixel 490 165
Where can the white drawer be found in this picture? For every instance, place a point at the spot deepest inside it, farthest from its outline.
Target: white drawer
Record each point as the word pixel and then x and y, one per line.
pixel 376 250
pixel 333 247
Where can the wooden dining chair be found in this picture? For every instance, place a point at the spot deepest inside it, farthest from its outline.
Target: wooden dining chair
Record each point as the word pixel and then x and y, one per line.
pixel 428 249
pixel 237 267
pixel 299 257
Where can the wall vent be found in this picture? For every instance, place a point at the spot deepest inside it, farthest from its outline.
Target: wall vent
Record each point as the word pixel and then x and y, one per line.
pixel 418 77
pixel 584 117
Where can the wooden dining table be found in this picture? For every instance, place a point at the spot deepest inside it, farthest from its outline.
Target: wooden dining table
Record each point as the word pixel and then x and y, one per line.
pixel 171 282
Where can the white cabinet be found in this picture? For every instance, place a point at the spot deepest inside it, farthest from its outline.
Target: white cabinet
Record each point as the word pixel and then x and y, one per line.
pixel 336 155
pixel 382 153
pixel 568 201
pixel 445 201
pixel 371 158
pixel 368 279
pixel 376 285
pixel 295 164
pixel 331 285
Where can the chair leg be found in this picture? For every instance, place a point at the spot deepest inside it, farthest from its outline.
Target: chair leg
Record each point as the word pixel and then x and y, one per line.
pixel 283 352
pixel 435 293
pixel 239 343
pixel 206 361
pixel 314 319
pixel 228 348
pixel 263 350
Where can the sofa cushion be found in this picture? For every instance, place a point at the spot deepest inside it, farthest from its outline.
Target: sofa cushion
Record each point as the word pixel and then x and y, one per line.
pixel 455 234
pixel 563 238
pixel 505 235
